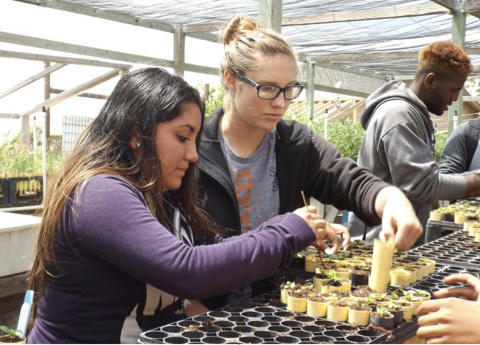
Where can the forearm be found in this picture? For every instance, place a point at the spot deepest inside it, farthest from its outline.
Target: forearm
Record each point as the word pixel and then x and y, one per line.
pixel 473 184
pixel 383 196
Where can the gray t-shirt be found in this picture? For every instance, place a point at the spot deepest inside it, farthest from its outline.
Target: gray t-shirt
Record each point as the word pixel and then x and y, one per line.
pixel 256 186
pixel 255 181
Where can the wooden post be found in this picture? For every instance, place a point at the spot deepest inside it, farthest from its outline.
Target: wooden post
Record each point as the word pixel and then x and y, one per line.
pixel 310 88
pixel 25 129
pixel 178 50
pixel 46 95
pixel 270 13
pixel 459 20
pixel 206 92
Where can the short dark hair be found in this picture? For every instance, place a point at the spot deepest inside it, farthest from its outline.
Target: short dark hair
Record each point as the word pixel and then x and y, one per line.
pixel 444 57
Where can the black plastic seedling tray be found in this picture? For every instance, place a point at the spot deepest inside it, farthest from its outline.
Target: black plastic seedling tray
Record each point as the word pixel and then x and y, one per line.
pixel 458 249
pixel 264 319
pixel 435 281
pixel 437 229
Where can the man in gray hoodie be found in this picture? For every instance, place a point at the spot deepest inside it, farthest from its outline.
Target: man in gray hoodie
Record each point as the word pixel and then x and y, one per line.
pixel 399 141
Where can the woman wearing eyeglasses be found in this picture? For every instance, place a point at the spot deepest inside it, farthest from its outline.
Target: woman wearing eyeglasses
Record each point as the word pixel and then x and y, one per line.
pixel 254 165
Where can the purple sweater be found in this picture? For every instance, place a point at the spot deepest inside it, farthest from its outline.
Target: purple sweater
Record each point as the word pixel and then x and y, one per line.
pixel 117 247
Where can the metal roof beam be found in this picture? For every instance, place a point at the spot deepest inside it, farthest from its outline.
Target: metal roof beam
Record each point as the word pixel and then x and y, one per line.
pixel 382 13
pixel 379 56
pixel 72 92
pixel 332 89
pixel 31 79
pixel 343 16
pixel 89 51
pixel 10 38
pixel 352 70
pixel 110 15
pixel 452 5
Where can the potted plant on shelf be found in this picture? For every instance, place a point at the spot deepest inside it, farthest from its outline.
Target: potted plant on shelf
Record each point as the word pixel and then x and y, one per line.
pixel 319 279
pixel 337 310
pixel 297 299
pixel 400 277
pixel 382 318
pixel 360 276
pixel 284 288
pixel 407 309
pixel 412 299
pixel 298 261
pixel 11 336
pixel 359 312
pixel 397 312
pixel 317 304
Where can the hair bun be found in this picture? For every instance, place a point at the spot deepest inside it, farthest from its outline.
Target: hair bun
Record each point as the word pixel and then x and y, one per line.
pixel 237 26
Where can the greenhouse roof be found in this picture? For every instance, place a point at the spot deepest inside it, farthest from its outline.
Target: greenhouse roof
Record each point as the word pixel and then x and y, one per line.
pixel 374 39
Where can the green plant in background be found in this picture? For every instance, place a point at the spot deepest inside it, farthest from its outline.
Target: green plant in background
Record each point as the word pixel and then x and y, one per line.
pixel 215 99
pixel 11 334
pixel 17 159
pixel 440 141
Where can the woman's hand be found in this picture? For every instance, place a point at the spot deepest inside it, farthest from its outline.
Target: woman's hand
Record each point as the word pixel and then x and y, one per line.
pixel 451 320
pixel 343 232
pixel 321 229
pixel 399 220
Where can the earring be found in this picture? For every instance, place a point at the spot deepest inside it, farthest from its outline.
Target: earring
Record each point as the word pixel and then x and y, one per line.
pixel 138 144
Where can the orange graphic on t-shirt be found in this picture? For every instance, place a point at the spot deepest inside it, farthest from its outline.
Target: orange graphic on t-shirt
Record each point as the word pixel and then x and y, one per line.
pixel 243 184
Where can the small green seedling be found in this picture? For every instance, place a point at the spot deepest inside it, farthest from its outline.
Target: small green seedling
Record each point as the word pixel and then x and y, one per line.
pixel 11 334
pixel 383 312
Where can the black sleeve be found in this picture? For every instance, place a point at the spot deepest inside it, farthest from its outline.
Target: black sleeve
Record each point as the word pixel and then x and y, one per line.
pixel 339 181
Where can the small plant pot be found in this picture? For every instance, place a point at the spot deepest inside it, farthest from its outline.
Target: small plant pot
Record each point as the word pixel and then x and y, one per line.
pixel 343 273
pixel 448 217
pixel 284 295
pixel 346 285
pixel 384 322
pixel 297 305
pixel 5 340
pixel 407 309
pixel 337 312
pixel 435 215
pixel 397 317
pixel 318 282
pixel 359 317
pixel 360 278
pixel 423 295
pixel 318 309
pixel 413 274
pixel 460 218
pixel 477 236
pixel 430 265
pixel 298 262
pixel 400 278
pixel 311 262
pixel 473 230
pixel 415 302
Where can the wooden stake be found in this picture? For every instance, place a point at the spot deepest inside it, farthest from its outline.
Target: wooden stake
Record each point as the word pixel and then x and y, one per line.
pixel 318 250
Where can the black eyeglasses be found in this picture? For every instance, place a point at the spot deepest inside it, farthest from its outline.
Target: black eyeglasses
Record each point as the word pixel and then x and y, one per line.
pixel 270 92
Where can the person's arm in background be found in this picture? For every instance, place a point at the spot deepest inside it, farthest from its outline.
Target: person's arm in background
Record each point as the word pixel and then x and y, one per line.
pixel 454 158
pixel 341 182
pixel 414 170
pixel 450 320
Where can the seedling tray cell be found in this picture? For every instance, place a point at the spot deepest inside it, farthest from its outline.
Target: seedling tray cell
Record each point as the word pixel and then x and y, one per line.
pixel 456 249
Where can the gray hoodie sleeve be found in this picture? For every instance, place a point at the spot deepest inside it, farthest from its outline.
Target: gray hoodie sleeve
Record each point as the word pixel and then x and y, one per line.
pixel 413 168
pixel 454 156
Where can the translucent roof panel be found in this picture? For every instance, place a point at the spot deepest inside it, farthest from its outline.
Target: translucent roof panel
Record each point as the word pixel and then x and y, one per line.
pixel 357 37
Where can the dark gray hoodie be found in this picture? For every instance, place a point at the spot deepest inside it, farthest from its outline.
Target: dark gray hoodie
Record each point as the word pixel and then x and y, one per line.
pixel 396 148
